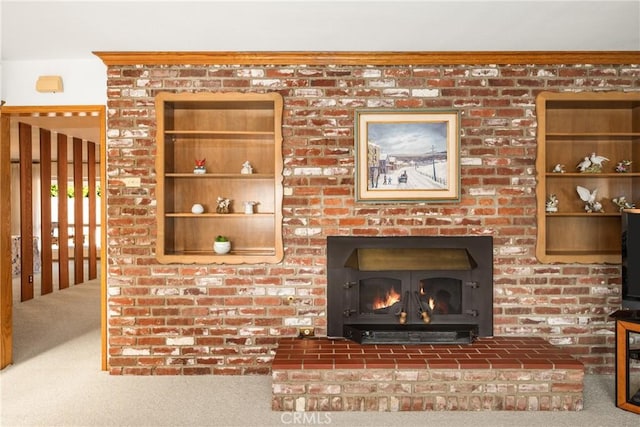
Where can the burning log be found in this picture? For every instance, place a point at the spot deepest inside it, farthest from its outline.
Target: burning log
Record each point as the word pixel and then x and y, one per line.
pixel 403 310
pixel 422 313
pixel 390 298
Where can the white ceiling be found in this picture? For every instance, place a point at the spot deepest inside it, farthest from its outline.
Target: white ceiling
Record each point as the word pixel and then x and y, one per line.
pixel 55 30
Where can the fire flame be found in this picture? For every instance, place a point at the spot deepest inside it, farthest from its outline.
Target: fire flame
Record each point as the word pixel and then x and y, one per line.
pixel 388 300
pixel 432 303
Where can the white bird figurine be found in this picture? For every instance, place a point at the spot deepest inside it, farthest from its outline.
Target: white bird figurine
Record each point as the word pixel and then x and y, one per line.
pixel 589 197
pixel 586 195
pixel 584 165
pixel 597 160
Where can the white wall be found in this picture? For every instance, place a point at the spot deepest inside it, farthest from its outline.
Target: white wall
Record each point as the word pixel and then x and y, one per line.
pixel 84 82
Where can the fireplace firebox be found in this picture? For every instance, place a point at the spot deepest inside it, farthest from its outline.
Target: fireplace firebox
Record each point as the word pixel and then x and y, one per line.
pixel 404 290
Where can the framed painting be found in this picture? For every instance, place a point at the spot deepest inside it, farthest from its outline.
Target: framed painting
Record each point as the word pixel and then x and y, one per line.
pixel 407 156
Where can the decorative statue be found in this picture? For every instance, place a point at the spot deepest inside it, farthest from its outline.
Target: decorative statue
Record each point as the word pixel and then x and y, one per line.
pixel 622 203
pixel 623 166
pixel 597 160
pixel 584 165
pixel 589 197
pixel 558 168
pixel 246 168
pixel 592 163
pixel 248 207
pixel 200 167
pixel 223 205
pixel 552 203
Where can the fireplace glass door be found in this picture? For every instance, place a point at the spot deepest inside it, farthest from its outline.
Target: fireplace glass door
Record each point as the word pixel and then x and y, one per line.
pixel 443 295
pixel 380 296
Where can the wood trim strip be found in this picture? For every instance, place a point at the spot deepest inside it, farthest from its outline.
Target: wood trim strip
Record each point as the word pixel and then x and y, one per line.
pixel 46 268
pixel 91 238
pixel 104 364
pixel 26 212
pixel 6 279
pixel 78 213
pixel 63 214
pixel 369 58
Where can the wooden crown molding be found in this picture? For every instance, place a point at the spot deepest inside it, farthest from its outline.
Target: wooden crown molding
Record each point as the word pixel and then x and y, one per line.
pixel 370 58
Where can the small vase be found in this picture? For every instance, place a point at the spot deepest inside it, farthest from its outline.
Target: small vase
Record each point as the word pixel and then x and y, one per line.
pixel 248 207
pixel 221 247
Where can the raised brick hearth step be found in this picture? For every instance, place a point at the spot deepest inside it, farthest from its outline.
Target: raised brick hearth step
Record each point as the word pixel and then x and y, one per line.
pixel 499 373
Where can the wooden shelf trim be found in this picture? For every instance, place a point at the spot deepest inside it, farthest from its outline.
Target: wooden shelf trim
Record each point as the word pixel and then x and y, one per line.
pixel 584 214
pixel 237 251
pixel 589 253
pixel 592 134
pixel 217 215
pixel 219 175
pixel 367 58
pixel 592 175
pixel 221 133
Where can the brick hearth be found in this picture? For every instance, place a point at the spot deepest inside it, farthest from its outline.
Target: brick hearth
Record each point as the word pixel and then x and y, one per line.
pixel 504 373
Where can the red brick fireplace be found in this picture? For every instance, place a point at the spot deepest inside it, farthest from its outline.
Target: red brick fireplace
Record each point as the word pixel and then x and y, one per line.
pixel 520 374
pixel 397 347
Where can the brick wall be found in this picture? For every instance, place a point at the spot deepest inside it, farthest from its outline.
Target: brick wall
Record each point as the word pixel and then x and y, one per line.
pixel 218 319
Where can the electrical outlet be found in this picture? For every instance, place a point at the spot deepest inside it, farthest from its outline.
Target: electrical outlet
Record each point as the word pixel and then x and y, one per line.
pixel 131 181
pixel 307 331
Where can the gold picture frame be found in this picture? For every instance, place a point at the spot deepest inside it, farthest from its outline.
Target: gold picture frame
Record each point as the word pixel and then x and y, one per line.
pixel 407 155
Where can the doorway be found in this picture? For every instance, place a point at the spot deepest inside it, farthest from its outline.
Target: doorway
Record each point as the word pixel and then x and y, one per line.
pixel 83 126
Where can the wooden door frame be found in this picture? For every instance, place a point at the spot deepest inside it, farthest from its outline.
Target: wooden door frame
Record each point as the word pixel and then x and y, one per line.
pixel 6 291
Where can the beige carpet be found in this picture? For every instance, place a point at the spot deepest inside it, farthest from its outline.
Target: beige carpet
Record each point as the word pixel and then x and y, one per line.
pixel 56 381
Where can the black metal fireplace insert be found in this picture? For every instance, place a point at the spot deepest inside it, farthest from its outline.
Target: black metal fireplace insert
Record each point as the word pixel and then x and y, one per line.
pixel 404 290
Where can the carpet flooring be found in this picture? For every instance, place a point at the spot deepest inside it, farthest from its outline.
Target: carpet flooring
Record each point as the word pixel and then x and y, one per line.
pixel 56 381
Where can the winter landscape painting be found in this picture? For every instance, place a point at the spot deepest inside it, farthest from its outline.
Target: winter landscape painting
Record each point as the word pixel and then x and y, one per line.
pixel 407 155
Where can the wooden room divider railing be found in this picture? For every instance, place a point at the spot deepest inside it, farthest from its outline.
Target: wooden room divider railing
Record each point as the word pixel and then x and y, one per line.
pixel 84 235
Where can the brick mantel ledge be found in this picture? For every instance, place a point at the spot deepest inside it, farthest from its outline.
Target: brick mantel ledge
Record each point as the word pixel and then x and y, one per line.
pixel 499 373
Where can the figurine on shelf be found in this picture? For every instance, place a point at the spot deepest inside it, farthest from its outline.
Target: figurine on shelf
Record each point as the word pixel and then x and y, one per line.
pixel 584 165
pixel 596 161
pixel 622 203
pixel 248 207
pixel 592 163
pixel 552 203
pixel 589 197
pixel 197 208
pixel 246 168
pixel 558 168
pixel 223 205
pixel 623 166
pixel 200 168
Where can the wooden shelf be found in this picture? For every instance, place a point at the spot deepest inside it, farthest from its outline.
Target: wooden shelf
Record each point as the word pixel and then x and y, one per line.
pixel 570 127
pixel 218 175
pixel 592 175
pixel 214 133
pixel 551 135
pixel 583 214
pixel 217 215
pixel 225 129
